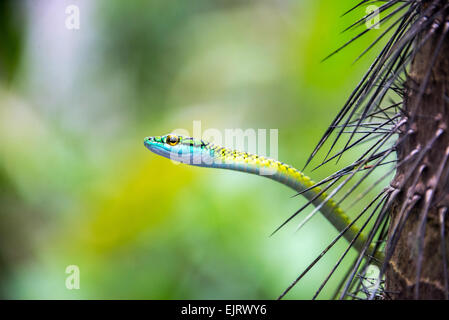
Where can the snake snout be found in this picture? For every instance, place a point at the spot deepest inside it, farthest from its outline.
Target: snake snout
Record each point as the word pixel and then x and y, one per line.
pixel 148 141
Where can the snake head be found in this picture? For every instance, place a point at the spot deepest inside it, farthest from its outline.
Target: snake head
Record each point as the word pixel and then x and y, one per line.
pixel 182 149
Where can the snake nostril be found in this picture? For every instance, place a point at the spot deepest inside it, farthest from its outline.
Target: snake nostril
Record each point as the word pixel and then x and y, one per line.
pixel 148 140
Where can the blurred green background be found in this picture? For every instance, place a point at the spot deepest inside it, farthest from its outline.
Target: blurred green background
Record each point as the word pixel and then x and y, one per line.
pixel 77 186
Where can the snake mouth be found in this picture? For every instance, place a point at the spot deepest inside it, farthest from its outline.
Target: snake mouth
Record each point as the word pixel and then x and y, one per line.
pixel 155 147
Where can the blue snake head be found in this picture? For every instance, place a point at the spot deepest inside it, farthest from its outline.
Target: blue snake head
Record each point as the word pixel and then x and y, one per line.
pixel 182 149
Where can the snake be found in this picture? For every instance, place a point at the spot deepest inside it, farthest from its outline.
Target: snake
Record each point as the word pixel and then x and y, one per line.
pixel 196 152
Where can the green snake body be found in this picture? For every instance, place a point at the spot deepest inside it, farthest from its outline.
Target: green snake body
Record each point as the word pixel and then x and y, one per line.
pixel 204 154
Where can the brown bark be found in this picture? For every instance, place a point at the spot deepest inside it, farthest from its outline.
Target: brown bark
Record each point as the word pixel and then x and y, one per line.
pixel 426 113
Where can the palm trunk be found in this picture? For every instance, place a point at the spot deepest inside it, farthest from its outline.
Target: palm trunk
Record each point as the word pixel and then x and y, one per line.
pixel 418 230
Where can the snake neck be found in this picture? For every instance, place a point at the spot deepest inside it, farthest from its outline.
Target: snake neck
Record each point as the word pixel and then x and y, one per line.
pixel 225 158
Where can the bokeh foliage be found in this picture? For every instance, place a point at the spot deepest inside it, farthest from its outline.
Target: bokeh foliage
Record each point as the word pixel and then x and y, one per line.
pixel 78 187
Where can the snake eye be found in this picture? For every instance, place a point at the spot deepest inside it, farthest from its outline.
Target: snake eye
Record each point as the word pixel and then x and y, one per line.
pixel 172 140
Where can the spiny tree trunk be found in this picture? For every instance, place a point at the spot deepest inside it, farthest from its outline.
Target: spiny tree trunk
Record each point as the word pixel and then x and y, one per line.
pixel 400 107
pixel 418 230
